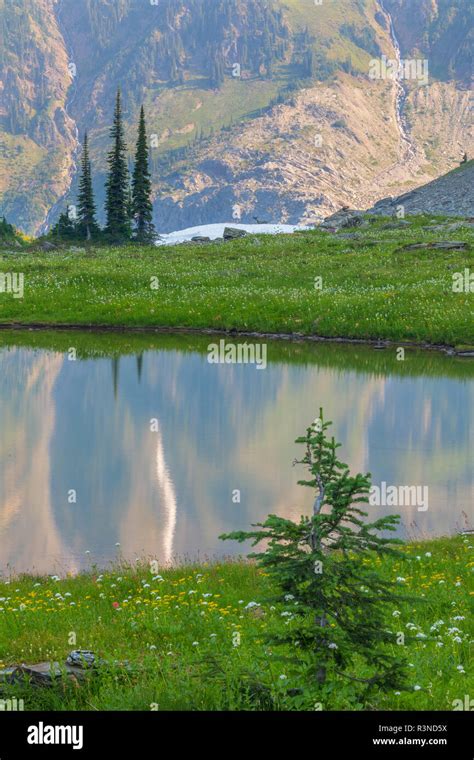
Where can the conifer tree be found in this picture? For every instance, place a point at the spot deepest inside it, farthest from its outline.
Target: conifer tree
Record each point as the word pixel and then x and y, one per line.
pixel 65 228
pixel 217 69
pixel 118 225
pixel 308 63
pixel 323 567
pixel 142 208
pixel 87 224
pixel 6 230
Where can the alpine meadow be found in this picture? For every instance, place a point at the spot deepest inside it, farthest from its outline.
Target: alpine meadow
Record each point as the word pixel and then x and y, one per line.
pixel 236 374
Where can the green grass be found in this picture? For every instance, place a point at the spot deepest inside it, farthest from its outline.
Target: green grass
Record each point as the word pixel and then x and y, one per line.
pixel 371 288
pixel 176 631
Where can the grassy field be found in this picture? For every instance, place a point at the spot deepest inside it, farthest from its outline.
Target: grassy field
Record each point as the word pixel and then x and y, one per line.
pixel 175 630
pixel 371 287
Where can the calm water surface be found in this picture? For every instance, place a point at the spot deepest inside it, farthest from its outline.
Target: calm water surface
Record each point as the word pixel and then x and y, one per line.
pixel 84 426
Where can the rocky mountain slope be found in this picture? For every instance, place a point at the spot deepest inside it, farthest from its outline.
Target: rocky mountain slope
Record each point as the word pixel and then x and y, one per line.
pixel 254 110
pixel 37 135
pixel 441 31
pixel 449 195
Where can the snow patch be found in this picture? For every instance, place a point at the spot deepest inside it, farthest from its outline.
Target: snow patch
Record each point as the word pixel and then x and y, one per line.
pixel 215 231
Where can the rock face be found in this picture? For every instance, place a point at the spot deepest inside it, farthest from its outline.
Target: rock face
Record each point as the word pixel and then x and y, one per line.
pixel 38 139
pixel 425 28
pixel 450 195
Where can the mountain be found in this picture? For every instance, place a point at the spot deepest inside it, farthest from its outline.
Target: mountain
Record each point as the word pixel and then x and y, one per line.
pixel 449 195
pixel 37 136
pixel 441 31
pixel 254 109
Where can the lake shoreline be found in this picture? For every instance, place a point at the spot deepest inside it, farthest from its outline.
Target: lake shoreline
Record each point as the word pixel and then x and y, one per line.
pixel 125 566
pixel 180 330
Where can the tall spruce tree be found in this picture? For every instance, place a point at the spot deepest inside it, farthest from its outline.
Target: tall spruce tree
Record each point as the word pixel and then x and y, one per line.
pixel 118 223
pixel 87 224
pixel 142 208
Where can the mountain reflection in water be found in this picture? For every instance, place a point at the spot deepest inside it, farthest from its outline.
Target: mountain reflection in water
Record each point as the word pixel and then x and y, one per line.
pixel 154 441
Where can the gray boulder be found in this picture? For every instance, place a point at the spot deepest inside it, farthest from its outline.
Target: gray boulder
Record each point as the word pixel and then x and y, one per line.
pixel 81 658
pixel 47 673
pixel 231 233
pixel 343 219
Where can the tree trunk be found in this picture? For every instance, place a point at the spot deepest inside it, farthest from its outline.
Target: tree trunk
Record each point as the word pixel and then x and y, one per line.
pixel 321 621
